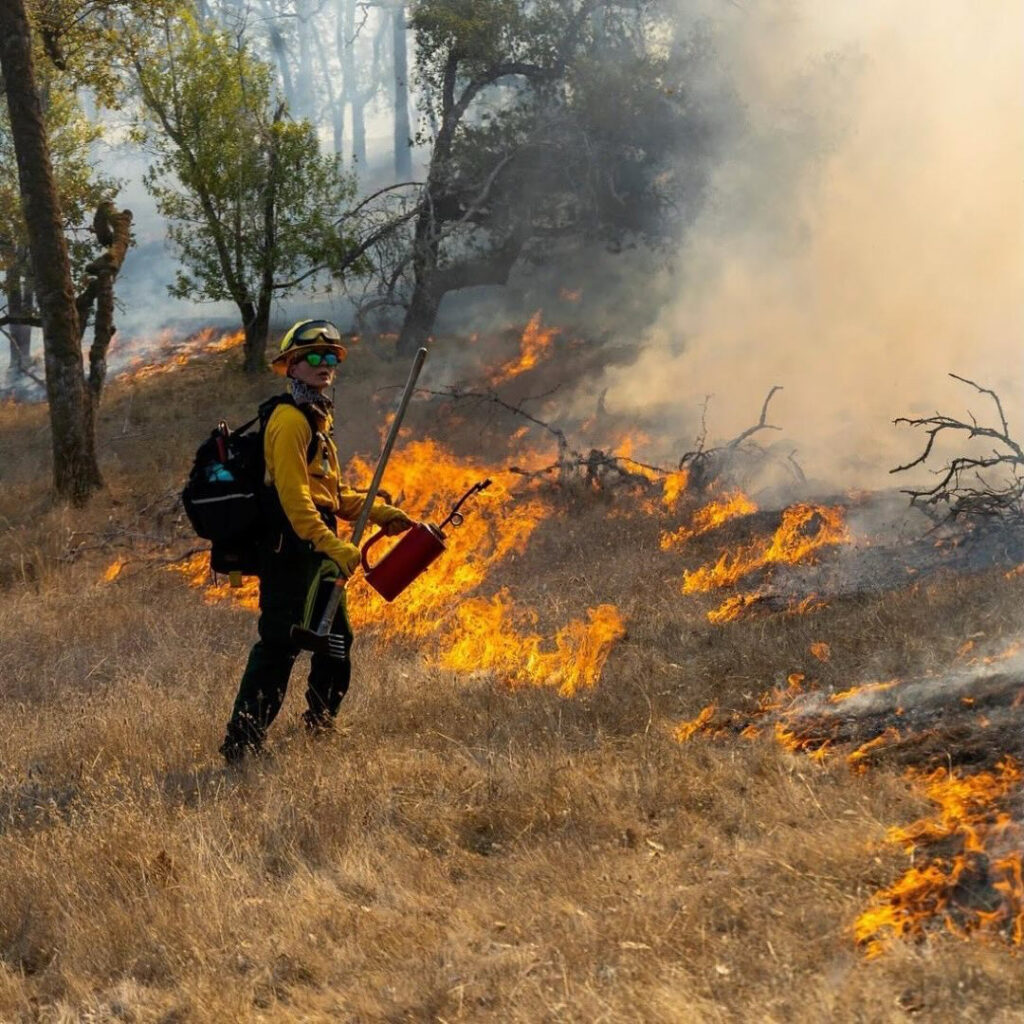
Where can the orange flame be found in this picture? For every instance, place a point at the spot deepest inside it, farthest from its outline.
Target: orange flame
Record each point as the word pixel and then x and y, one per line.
pixel 821 650
pixel 855 759
pixel 460 629
pixel 708 518
pixel 805 529
pixel 988 842
pixel 684 730
pixel 113 570
pixel 856 691
pixel 197 573
pixel 420 474
pixel 496 635
pixel 534 345
pixel 673 487
pixel 171 355
pixel 732 608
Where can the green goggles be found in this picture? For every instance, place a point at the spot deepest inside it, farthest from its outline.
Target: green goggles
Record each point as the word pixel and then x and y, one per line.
pixel 320 358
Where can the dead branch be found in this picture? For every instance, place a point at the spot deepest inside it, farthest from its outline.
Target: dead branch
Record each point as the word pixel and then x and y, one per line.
pixel 712 465
pixel 761 424
pixel 605 470
pixel 965 486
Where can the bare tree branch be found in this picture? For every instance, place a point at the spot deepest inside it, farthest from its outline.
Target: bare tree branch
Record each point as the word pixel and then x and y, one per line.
pixel 966 486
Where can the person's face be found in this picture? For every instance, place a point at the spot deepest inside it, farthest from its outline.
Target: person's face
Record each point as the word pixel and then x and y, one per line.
pixel 321 376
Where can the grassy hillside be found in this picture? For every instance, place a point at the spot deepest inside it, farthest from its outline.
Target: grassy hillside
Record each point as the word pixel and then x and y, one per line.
pixel 465 848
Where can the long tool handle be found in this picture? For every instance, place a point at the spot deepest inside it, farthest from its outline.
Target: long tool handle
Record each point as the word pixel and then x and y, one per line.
pixel 364 516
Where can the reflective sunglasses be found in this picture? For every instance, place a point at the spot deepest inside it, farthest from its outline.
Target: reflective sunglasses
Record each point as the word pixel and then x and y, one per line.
pixel 316 331
pixel 316 358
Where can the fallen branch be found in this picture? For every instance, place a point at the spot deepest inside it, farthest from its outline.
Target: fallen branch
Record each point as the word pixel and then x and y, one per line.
pixel 963 487
pixel 602 469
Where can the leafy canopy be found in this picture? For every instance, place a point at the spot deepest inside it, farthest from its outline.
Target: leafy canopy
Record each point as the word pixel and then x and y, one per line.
pixel 249 197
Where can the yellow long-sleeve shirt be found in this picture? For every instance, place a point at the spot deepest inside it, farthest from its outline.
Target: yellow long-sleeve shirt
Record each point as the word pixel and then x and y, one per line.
pixel 304 486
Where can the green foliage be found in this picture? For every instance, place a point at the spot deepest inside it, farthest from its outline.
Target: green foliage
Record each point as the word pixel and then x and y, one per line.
pixel 80 189
pixel 249 197
pixel 601 115
pixel 477 32
pixel 85 40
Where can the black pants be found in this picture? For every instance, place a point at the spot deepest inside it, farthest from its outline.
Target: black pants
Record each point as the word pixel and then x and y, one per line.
pixel 293 590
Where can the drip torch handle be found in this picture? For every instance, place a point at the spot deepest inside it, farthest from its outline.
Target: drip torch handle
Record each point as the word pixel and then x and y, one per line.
pixel 389 443
pixel 366 550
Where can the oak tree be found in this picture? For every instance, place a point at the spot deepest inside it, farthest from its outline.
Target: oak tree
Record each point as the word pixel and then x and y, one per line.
pixel 555 124
pixel 75 470
pixel 253 206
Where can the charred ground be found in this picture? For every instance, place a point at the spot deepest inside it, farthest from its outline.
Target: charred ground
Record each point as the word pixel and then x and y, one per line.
pixel 469 849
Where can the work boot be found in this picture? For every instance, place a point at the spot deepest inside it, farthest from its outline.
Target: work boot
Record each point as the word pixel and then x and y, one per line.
pixel 235 752
pixel 317 725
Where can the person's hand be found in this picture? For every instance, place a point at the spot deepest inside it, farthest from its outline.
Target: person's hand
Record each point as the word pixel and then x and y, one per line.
pixel 347 560
pixel 394 521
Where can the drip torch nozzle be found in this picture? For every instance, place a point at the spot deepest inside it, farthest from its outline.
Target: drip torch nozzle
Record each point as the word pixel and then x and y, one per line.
pixel 455 517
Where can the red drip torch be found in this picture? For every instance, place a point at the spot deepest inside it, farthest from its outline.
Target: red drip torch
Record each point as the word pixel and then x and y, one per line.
pixel 420 545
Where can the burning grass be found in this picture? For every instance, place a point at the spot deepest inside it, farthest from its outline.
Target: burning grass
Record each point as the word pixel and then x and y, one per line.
pixel 804 530
pixel 535 345
pixel 965 875
pixel 709 517
pixel 466 849
pixel 967 870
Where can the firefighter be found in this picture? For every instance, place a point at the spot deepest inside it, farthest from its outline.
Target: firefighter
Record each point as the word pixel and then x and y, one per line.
pixel 302 556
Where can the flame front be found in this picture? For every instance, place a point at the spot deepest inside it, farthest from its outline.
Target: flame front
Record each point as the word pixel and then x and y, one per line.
pixel 805 529
pixel 169 354
pixel 441 612
pixel 497 635
pixel 972 850
pixel 420 475
pixel 713 515
pixel 966 874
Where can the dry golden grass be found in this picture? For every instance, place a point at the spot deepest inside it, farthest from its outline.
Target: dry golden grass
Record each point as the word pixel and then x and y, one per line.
pixel 460 851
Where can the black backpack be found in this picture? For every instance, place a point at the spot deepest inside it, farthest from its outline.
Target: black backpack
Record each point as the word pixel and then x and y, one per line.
pixel 226 499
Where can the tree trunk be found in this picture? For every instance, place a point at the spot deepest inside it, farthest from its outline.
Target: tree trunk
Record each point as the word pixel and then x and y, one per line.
pixel 281 56
pixel 304 71
pixel 419 319
pixel 335 107
pixel 114 230
pixel 351 94
pixel 22 333
pixel 403 150
pixel 256 321
pixel 19 303
pixel 359 134
pixel 75 472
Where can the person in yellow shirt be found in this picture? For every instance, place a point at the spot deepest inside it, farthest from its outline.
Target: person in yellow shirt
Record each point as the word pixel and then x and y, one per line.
pixel 301 554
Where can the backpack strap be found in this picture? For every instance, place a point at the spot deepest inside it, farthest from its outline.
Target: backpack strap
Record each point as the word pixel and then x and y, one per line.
pixel 267 407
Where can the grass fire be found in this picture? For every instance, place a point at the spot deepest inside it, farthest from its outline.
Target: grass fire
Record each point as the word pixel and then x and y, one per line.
pixel 613 732
pixel 523 518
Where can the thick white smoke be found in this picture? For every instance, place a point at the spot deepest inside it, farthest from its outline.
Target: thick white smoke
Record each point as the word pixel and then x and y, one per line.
pixel 866 233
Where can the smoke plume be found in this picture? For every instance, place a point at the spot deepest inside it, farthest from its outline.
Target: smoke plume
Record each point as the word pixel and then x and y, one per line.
pixel 864 235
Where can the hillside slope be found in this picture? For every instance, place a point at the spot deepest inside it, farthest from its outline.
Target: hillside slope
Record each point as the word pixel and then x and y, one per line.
pixel 482 841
